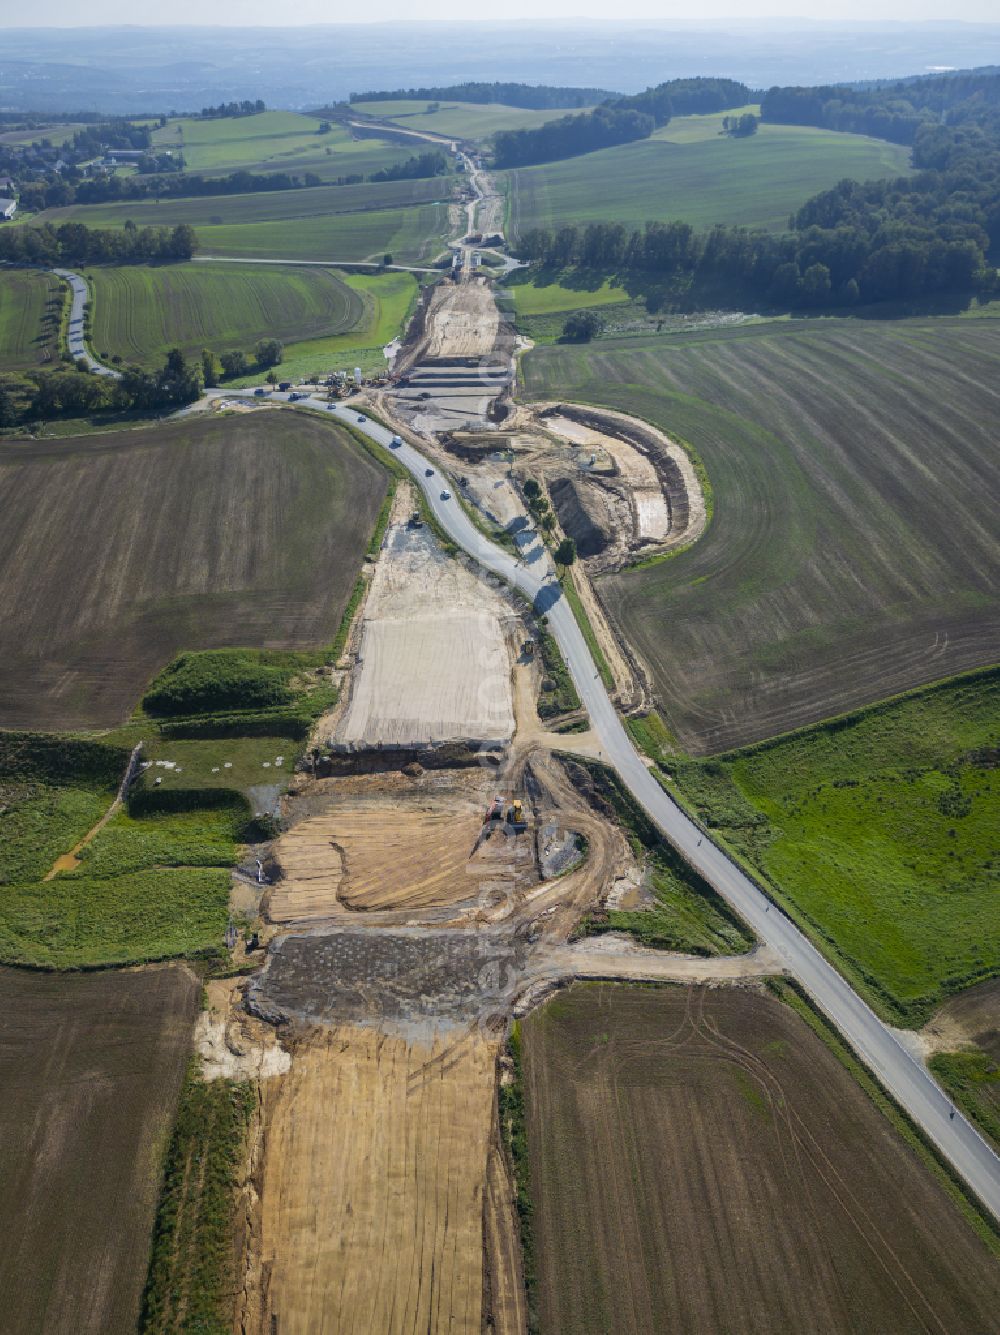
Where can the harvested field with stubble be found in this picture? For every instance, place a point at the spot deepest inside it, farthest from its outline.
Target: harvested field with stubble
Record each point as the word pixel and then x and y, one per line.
pixel 90 1072
pixel 701 1162
pixel 854 547
pixel 371 1206
pixel 120 550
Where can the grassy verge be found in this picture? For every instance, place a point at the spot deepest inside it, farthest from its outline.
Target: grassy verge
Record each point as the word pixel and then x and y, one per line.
pixel 583 621
pixel 973 1081
pixel 977 1215
pixel 652 736
pixel 685 913
pixel 514 1130
pixel 192 1270
pixel 560 696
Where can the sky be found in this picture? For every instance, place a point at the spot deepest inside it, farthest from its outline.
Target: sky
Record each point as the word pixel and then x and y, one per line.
pixel 69 13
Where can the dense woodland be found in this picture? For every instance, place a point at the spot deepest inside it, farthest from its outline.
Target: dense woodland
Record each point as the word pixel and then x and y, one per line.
pixel 907 239
pixel 540 97
pixel 618 121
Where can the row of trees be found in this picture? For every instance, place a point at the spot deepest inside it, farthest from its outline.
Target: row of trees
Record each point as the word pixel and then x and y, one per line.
pixel 74 243
pixel 246 107
pixel 60 192
pixel 617 121
pixel 540 97
pixel 416 168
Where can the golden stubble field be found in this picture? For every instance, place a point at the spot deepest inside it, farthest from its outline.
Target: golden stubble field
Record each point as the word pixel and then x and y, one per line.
pixel 371 1208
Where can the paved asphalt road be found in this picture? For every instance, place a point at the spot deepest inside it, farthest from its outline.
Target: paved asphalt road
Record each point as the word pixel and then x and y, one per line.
pixel 900 1073
pixel 77 346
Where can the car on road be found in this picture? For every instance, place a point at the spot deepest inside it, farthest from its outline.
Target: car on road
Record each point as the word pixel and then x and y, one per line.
pixel 429 472
pixel 260 392
pixel 294 398
pixel 396 442
pixel 446 495
pixel 362 418
pixel 331 407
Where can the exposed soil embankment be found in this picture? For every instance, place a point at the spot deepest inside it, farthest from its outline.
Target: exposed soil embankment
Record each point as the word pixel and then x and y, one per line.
pixel 582 515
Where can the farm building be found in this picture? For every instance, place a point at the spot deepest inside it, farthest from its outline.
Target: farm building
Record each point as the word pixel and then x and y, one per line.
pixel 8 207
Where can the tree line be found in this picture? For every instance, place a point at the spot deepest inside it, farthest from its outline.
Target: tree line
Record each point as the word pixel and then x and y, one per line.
pixel 618 121
pixel 227 110
pixel 62 193
pixel 810 269
pixel 74 243
pixel 41 395
pixel 533 97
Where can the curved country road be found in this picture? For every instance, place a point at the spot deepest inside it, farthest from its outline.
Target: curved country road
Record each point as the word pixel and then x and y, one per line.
pixel 77 344
pixel 909 1083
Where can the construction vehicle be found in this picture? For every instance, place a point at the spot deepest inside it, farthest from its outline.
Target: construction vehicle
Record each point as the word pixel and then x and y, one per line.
pixel 515 813
pixel 416 520
pixel 495 810
pixel 528 648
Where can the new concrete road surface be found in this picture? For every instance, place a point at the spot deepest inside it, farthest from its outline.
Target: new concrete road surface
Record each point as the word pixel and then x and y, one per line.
pixel 901 1074
pixel 77 346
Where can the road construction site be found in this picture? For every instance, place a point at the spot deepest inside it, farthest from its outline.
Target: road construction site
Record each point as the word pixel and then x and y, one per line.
pixel 435 865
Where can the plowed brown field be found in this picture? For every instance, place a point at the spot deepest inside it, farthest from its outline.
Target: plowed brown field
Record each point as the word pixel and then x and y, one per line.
pixel 853 551
pixel 90 1071
pixel 371 1211
pixel 118 550
pixel 701 1162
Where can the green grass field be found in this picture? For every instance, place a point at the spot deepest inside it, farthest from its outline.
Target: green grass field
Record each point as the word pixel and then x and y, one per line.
pixel 140 312
pixel 880 831
pixel 263 206
pixel 145 888
pixel 853 549
pixel 411 235
pixel 274 141
pixel 30 309
pixel 388 299
pixel 463 120
pixel 699 129
pixel 701 179
pixel 550 298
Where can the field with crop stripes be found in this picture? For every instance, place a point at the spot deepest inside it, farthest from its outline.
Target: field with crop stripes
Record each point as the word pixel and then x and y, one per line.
pixel 853 551
pixel 411 235
pixel 274 141
pixel 122 549
pixel 670 1127
pixel 30 305
pixel 262 206
pixel 754 182
pixel 90 1071
pixel 465 120
pixel 141 312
